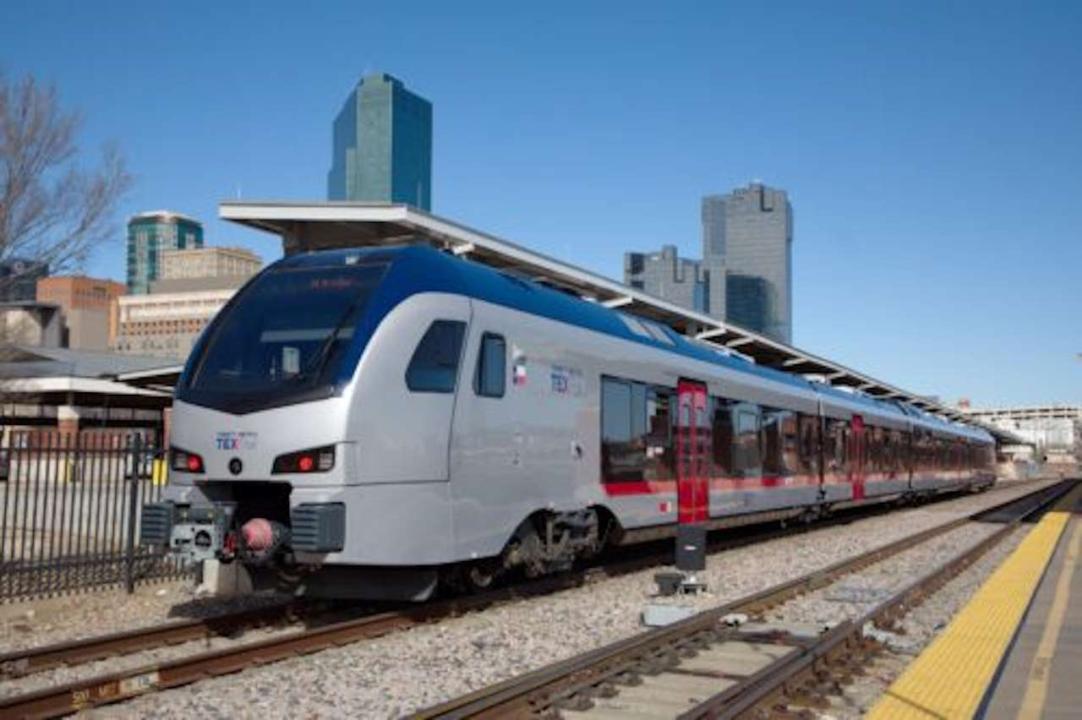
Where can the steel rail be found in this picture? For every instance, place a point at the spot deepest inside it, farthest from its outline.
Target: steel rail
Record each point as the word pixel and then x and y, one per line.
pixel 113 687
pixel 536 692
pixel 811 665
pixel 19 663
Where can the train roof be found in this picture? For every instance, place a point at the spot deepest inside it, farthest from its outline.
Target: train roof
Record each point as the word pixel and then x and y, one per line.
pixel 421 268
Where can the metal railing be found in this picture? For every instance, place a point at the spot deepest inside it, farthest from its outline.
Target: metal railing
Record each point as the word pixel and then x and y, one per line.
pixel 69 512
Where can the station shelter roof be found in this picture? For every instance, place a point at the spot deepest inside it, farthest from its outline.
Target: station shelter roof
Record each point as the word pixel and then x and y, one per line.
pixel 305 226
pixel 62 376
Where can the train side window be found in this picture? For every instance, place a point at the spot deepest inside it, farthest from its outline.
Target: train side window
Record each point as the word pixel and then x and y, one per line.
pixel 746 450
pixel 775 430
pixel 657 434
pixel 491 377
pixel 622 421
pixel 723 436
pixel 636 431
pixel 836 445
pixel 809 442
pixel 434 365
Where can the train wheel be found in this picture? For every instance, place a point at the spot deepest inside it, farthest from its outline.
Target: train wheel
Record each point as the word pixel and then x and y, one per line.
pixel 473 577
pixel 480 578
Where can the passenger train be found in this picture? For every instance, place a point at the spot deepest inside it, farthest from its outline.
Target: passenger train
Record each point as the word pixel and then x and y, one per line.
pixel 373 422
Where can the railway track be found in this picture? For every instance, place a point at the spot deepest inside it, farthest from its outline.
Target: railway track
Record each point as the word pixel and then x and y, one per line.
pixel 109 688
pixel 712 666
pixel 21 663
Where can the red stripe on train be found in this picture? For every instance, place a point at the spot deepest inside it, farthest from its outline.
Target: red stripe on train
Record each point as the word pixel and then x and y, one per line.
pixel 651 487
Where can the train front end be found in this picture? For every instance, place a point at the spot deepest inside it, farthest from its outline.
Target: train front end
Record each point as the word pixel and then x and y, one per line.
pixel 259 448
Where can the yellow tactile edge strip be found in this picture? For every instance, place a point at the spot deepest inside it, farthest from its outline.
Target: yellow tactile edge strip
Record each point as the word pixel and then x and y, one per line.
pixel 949 679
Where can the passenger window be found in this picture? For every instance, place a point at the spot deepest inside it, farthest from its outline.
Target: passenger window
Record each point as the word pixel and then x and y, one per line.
pixel 434 365
pixel 636 431
pixel 723 437
pixel 746 458
pixel 491 376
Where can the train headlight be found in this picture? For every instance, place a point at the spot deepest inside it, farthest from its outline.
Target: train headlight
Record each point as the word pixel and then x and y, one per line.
pixel 185 461
pixel 319 459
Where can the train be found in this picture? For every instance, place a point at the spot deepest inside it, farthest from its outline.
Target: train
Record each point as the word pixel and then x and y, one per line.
pixel 381 422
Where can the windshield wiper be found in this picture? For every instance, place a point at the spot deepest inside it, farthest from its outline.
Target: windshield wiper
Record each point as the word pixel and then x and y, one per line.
pixel 315 365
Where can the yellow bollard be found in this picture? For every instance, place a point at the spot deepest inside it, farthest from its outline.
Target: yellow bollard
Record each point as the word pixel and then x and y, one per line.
pixel 159 473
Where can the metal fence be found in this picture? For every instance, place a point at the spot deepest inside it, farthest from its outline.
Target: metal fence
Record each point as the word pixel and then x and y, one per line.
pixel 69 512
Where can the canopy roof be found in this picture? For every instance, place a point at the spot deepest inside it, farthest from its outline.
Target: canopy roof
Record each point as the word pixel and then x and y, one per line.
pixel 326 225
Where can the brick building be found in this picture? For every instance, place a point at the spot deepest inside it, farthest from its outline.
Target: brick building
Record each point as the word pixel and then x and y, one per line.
pixel 87 307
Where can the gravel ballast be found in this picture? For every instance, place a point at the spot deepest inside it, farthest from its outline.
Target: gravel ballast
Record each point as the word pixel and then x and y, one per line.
pixel 856 594
pixel 918 629
pixel 73 617
pixel 406 671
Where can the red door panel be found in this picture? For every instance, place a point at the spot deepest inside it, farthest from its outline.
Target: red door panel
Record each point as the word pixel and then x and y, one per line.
pixel 692 452
pixel 856 457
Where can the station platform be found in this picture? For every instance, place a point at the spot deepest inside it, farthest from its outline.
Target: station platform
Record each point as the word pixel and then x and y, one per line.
pixel 1015 649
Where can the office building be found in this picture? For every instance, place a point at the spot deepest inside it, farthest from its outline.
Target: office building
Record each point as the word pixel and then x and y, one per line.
pixel 166 324
pixel 752 229
pixel 19 279
pixel 1054 431
pixel 745 276
pixel 149 235
pixel 207 262
pixel 86 304
pixel 694 284
pixel 747 300
pixel 195 285
pixel 382 145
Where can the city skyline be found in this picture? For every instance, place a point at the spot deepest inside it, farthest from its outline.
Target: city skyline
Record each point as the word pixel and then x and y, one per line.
pixel 745 271
pixel 880 144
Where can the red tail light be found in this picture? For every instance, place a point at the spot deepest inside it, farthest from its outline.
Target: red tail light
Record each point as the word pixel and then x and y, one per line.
pixel 305 461
pixel 185 461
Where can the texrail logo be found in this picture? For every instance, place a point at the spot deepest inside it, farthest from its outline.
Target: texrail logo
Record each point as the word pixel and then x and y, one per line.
pixel 235 440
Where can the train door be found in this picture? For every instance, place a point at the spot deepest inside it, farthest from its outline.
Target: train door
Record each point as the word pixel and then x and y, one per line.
pixel 693 443
pixel 692 452
pixel 857 451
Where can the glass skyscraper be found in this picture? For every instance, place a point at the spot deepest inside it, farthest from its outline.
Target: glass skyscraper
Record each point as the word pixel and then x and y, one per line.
pixel 752 229
pixel 149 234
pixel 746 274
pixel 382 145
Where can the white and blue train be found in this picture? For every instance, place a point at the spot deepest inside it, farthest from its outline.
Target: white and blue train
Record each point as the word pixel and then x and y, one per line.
pixel 371 422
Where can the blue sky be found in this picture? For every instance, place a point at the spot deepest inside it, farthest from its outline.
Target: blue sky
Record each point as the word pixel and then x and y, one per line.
pixel 932 151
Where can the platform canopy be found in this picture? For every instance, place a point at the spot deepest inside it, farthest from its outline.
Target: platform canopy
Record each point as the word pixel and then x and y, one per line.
pixel 326 225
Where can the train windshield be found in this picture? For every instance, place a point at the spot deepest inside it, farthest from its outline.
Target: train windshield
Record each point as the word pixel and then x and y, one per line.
pixel 284 335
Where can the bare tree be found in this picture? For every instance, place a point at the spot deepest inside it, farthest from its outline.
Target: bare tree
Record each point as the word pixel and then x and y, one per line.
pixel 51 209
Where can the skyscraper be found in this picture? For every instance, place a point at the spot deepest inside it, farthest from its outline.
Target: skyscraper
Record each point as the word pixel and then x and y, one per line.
pixel 149 234
pixel 694 284
pixel 752 229
pixel 382 145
